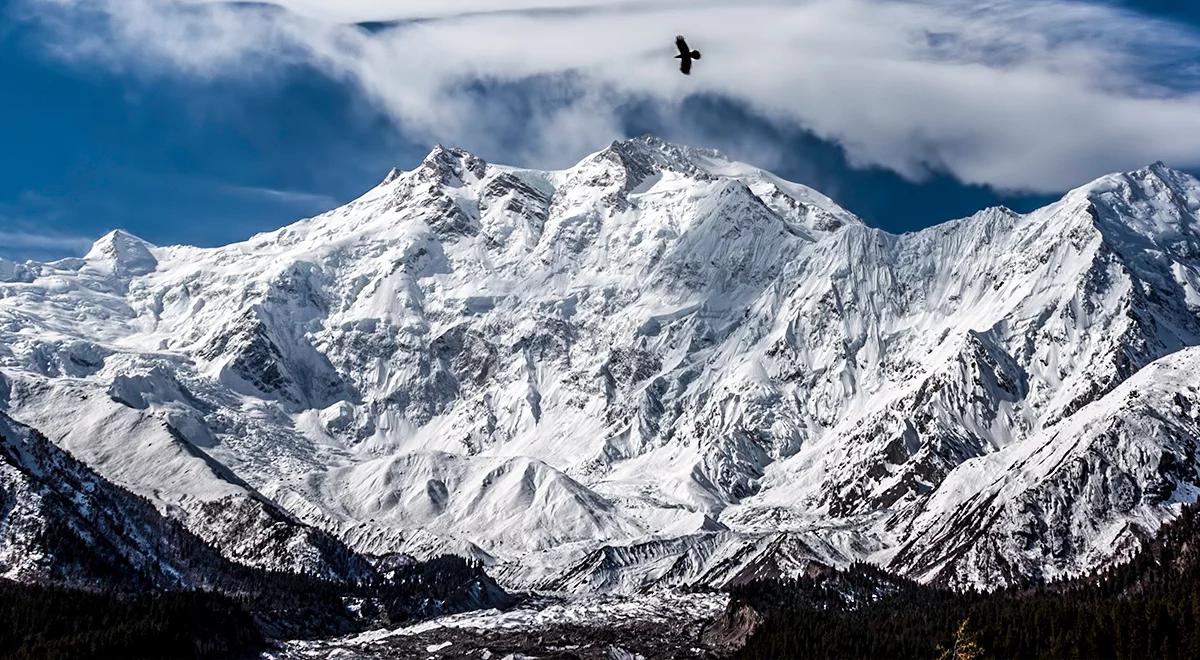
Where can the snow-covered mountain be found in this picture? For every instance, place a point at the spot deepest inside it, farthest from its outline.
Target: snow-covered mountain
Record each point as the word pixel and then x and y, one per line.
pixel 659 366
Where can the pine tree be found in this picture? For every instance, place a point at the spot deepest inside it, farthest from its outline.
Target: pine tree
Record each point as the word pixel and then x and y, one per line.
pixel 966 644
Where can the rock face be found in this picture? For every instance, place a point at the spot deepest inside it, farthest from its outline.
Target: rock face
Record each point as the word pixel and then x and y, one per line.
pixel 657 367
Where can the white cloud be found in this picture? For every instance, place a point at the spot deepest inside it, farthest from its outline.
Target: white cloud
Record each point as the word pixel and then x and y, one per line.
pixel 296 198
pixel 358 11
pixel 1018 94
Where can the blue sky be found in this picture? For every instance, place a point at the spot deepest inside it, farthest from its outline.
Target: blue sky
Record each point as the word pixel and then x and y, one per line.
pixel 204 124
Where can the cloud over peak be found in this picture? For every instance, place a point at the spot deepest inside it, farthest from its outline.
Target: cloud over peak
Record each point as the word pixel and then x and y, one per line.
pixel 1032 95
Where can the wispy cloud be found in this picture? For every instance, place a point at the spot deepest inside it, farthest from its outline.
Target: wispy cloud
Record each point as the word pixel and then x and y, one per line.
pixel 18 242
pixel 305 201
pixel 1017 94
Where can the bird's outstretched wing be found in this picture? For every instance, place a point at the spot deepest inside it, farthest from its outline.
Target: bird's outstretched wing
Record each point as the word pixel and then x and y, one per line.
pixel 681 43
pixel 685 65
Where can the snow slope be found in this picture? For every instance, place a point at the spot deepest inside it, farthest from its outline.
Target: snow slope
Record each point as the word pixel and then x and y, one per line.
pixel 659 366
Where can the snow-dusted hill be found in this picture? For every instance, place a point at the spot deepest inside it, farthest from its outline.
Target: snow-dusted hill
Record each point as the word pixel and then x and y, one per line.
pixel 656 367
pixel 63 524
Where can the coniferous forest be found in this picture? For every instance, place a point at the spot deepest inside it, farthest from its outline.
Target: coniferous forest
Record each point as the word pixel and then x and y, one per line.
pixel 51 622
pixel 48 622
pixel 1147 608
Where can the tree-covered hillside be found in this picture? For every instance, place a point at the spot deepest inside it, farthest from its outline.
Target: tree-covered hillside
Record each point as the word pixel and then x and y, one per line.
pixel 1147 608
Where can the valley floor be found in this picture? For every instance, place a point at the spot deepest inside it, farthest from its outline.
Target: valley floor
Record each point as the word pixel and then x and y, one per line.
pixel 664 624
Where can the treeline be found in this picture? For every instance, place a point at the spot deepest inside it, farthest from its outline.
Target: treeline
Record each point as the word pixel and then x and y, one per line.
pixel 49 622
pixel 1147 608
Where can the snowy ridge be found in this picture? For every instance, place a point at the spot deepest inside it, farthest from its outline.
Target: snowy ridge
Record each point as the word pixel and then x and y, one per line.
pixel 659 366
pixel 64 524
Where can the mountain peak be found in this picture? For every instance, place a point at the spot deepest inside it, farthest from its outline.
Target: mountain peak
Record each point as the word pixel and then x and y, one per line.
pixel 123 253
pixel 648 154
pixel 633 163
pixel 1155 201
pixel 1156 175
pixel 452 165
pixel 652 144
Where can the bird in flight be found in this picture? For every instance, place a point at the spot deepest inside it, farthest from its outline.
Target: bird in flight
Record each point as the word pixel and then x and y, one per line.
pixel 685 56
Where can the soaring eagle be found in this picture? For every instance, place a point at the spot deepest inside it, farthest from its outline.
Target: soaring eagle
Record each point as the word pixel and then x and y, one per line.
pixel 685 56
